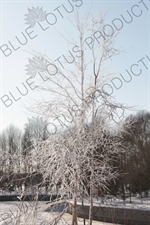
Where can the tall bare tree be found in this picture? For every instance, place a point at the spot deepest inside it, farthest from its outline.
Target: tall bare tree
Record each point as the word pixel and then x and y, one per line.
pixel 78 98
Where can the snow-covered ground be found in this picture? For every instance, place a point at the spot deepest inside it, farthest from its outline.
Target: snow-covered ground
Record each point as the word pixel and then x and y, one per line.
pixel 136 203
pixel 32 213
pixel 38 213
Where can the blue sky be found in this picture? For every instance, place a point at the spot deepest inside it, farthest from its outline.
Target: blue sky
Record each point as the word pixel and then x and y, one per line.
pixel 134 37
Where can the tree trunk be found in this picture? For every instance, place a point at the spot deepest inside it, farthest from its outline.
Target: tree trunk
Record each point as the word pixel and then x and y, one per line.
pixel 84 221
pixel 74 210
pixel 91 202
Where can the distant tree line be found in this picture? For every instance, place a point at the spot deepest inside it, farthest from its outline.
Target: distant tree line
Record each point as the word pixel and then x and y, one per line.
pixel 17 146
pixel 18 150
pixel 134 163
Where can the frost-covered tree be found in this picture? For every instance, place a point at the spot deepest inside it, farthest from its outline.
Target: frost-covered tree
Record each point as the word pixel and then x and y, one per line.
pixel 3 151
pixel 79 161
pixel 10 149
pixel 35 130
pixel 78 155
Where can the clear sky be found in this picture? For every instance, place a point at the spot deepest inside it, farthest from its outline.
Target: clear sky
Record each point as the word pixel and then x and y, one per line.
pixel 134 37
